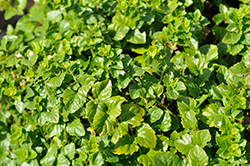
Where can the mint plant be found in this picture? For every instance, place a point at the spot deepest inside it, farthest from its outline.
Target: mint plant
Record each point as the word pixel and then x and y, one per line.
pixel 121 83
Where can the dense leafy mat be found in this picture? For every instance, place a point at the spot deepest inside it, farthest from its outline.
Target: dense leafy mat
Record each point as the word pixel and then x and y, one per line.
pixel 137 82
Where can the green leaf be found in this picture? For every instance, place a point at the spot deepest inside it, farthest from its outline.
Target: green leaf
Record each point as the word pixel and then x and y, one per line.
pixel 238 68
pixel 231 38
pixel 74 101
pixel 146 136
pixel 92 145
pixel 20 106
pixel 29 93
pixel 184 144
pixel 120 30
pixel 22 153
pixel 123 81
pixel 170 8
pixel 54 129
pixel 102 90
pixel 75 128
pixel 10 13
pixel 246 60
pixel 21 4
pixel 12 60
pixel 123 19
pixel 52 117
pixel 145 160
pixel 86 81
pixel 64 26
pixel 83 155
pixel 91 108
pixel 192 66
pixel 180 86
pixel 210 52
pixel 54 15
pixel 56 81
pixel 62 160
pixel 109 157
pixel 121 130
pixel 214 115
pixel 188 120
pixel 218 18
pixel 16 132
pixel 201 138
pixel 10 91
pixel 104 122
pixel 114 106
pixel 125 146
pixel 197 156
pixel 192 43
pixel 96 159
pixel 155 114
pixel 31 59
pixel 138 37
pixel 219 32
pixel 50 156
pixel 246 40
pixel 132 114
pixel 136 91
pixel 69 150
pixel 167 159
pixel 156 2
pixel 166 122
pixel 235 49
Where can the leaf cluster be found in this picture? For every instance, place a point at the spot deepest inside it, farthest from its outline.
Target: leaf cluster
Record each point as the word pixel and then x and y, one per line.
pixel 127 82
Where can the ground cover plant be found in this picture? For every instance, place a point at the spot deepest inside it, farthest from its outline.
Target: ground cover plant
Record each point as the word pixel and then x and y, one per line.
pixel 127 82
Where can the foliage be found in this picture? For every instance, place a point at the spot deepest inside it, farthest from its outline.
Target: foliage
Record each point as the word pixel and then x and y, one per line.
pixel 134 82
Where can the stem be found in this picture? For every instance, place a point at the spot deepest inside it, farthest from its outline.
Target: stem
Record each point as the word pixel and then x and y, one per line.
pixel 92 52
pixel 91 98
pixel 42 133
pixel 162 73
pixel 165 108
pixel 73 75
pixel 2 102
